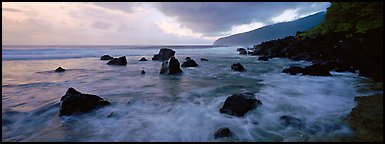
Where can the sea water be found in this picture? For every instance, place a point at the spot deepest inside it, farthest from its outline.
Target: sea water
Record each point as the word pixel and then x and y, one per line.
pixel 154 107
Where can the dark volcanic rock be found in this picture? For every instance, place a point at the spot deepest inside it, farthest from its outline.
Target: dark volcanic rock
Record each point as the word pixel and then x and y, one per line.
pixel 142 72
pixel 239 104
pixel 203 59
pixel 118 61
pixel 187 58
pixel 237 67
pixel 316 70
pixel 143 59
pixel 106 57
pixel 60 69
pixel 189 63
pixel 262 58
pixel 293 70
pixel 222 132
pixel 291 121
pixel 74 101
pixel 164 54
pixel 174 66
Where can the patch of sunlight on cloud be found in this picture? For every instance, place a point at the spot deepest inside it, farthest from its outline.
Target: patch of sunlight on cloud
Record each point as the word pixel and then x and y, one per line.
pixel 287 15
pixel 172 27
pixel 245 27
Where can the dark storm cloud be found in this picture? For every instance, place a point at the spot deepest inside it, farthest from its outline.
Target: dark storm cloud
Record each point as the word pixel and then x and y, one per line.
pixel 211 18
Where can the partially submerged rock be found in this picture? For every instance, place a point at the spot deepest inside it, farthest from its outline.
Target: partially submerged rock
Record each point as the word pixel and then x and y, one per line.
pixel 172 67
pixel 189 63
pixel 288 120
pixel 76 102
pixel 222 132
pixel 118 61
pixel 237 67
pixel 106 57
pixel 293 70
pixel 142 72
pixel 203 59
pixel 239 104
pixel 164 54
pixel 316 70
pixel 263 58
pixel 60 69
pixel 143 59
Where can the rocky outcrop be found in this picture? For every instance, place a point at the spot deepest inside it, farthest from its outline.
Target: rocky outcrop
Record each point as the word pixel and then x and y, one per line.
pixel 222 132
pixel 334 51
pixel 203 59
pixel 366 119
pixel 106 57
pixel 118 61
pixel 172 67
pixel 164 54
pixel 143 59
pixel 76 102
pixel 237 67
pixel 60 69
pixel 313 70
pixel 189 63
pixel 239 104
pixel 142 72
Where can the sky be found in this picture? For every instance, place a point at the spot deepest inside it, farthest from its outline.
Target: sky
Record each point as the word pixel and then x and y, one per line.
pixel 141 23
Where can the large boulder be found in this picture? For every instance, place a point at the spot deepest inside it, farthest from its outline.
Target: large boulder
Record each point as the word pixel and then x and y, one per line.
pixel 60 69
pixel 118 61
pixel 106 57
pixel 76 102
pixel 237 67
pixel 171 67
pixel 164 54
pixel 293 70
pixel 174 66
pixel 189 63
pixel 239 104
pixel 316 70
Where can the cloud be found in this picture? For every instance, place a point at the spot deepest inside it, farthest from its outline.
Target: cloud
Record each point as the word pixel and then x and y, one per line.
pixel 214 18
pixel 101 25
pixel 11 10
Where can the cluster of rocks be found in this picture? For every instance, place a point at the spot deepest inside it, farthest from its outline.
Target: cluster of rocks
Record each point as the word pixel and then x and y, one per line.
pixel 332 51
pixel 114 61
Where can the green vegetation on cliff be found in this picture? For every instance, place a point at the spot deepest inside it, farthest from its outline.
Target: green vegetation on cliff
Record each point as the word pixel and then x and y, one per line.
pixel 349 17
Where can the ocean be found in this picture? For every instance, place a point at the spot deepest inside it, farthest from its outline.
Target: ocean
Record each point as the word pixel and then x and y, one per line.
pixel 176 108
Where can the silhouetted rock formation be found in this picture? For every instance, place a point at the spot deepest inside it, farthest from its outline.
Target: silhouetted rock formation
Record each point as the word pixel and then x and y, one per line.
pixel 60 69
pixel 118 61
pixel 143 59
pixel 76 102
pixel 106 57
pixel 164 54
pixel 189 63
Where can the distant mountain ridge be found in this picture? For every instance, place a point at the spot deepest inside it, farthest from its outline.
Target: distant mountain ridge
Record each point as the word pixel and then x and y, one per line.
pixel 273 31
